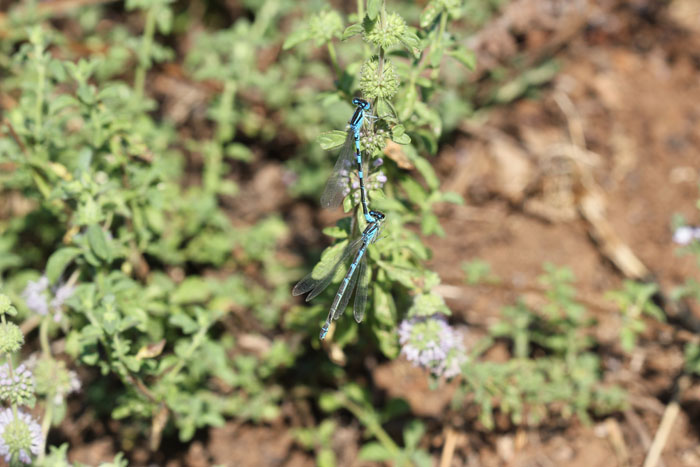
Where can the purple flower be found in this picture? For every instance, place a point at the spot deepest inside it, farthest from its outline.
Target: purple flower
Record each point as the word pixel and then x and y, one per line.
pixel 34 295
pixel 20 437
pixel 686 234
pixel 378 162
pixel 61 294
pixel 430 342
pixel 16 386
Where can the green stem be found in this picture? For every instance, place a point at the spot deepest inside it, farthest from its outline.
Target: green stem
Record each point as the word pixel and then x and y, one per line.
pixel 145 53
pixel 44 336
pixel 373 427
pixel 196 342
pixel 334 61
pixel 45 427
pixel 40 86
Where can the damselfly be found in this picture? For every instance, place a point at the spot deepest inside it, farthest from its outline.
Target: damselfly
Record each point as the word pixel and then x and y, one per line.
pixel 334 193
pixel 325 270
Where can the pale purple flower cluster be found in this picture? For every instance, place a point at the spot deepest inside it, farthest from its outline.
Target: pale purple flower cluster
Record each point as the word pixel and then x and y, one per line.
pixel 36 295
pixel 62 391
pixel 17 386
pixel 19 437
pixel 430 342
pixel 686 234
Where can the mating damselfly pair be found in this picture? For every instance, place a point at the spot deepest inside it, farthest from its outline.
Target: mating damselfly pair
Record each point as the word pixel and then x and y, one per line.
pixel 333 194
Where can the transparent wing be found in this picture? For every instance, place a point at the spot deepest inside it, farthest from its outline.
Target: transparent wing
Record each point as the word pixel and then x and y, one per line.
pixel 333 194
pixel 325 270
pixel 363 280
pixel 346 296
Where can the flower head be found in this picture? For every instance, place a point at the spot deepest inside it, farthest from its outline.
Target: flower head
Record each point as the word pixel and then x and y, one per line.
pixel 387 34
pixel 20 437
pixel 11 338
pixel 686 234
pixel 430 342
pixel 17 386
pixel 376 83
pixel 54 380
pixel 37 294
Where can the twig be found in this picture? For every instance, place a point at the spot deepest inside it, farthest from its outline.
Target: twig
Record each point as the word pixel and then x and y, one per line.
pixel 448 450
pixel 667 420
pixel 618 442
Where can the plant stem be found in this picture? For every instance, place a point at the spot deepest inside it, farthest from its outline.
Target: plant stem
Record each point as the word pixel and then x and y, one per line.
pixel 373 427
pixel 40 86
pixel 145 53
pixel 334 61
pixel 44 336
pixel 45 427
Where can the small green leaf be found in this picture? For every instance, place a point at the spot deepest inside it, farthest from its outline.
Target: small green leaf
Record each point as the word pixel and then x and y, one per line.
pixel 413 433
pixel 375 452
pixel 330 402
pixel 191 290
pixel 403 139
pixel 410 40
pixel 435 56
pixel 297 37
pixel 452 197
pixel 464 56
pixel 427 171
pixel 58 262
pixel 429 14
pixel 98 242
pixel 332 139
pixel 373 7
pixel 352 30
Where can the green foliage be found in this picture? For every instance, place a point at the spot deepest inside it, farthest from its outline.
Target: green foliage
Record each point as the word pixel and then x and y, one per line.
pixel 532 386
pixel 356 400
pixel 634 301
pixel 110 211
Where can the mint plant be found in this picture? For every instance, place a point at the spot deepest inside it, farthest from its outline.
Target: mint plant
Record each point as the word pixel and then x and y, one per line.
pixel 119 266
pixel 389 75
pixel 569 370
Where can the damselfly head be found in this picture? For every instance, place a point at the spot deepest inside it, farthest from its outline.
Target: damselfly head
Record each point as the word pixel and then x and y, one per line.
pixel 377 215
pixel 361 103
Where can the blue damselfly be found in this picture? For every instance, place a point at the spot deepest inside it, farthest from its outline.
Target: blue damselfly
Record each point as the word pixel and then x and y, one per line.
pixel 334 192
pixel 326 269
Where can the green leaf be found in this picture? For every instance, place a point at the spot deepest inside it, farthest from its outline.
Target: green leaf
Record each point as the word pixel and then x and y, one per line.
pixel 374 451
pixel 413 433
pixel 429 14
pixel 464 56
pixel 411 42
pixel 332 139
pixel 428 304
pixel 435 56
pixel 452 197
pixel 58 262
pixel 98 242
pixel 373 7
pixel 297 37
pixel 352 30
pixel 330 402
pixel 335 232
pixel 384 307
pixel 191 290
pixel 415 192
pixel 426 170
